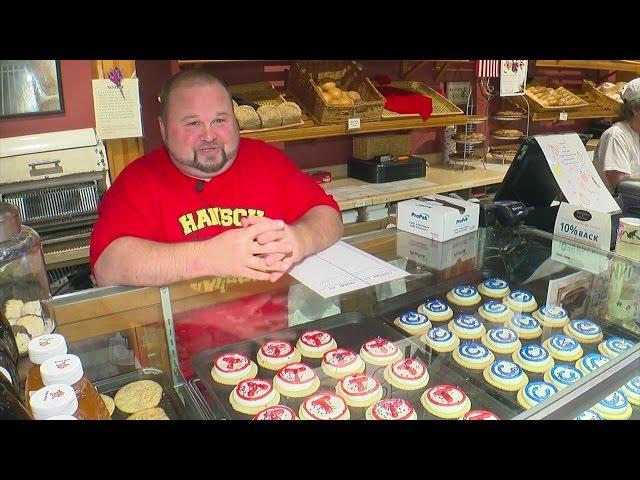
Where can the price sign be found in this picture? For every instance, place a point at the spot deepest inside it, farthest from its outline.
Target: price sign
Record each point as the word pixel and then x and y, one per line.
pixel 353 124
pixel 584 226
pixel 563 116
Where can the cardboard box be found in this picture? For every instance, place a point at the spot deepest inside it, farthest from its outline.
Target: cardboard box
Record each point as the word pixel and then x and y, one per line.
pixel 438 217
pixel 451 258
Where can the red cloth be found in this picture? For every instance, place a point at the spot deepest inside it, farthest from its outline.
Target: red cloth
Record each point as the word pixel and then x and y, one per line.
pixel 153 200
pixel 403 101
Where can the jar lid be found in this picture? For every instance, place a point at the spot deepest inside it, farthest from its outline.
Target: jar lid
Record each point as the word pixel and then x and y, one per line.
pixel 46 346
pixel 10 223
pixel 65 368
pixel 62 417
pixel 52 400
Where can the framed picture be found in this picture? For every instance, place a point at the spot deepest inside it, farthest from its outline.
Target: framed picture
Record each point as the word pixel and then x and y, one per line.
pixel 30 87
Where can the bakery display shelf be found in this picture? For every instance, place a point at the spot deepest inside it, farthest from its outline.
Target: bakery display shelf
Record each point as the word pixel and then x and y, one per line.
pixel 170 402
pixel 309 130
pixel 508 119
pixel 619 65
pixel 350 330
pixel 592 110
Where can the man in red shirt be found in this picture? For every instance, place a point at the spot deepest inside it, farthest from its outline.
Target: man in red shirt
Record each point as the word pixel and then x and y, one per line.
pixel 208 203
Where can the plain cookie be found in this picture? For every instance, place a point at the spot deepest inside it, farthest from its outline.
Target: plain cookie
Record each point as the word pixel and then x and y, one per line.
pixel 140 395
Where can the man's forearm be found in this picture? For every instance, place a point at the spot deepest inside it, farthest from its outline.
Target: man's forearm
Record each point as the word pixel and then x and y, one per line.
pixel 320 227
pixel 138 262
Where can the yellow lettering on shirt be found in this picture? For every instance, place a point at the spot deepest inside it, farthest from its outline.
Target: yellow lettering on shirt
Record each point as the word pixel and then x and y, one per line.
pixel 214 216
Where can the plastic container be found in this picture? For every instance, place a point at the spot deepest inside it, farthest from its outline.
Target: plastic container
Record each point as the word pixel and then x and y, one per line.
pixel 24 288
pixel 67 369
pixel 54 400
pixel 10 406
pixel 7 340
pixel 40 349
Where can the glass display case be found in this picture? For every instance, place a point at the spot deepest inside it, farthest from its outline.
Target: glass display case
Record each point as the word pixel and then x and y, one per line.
pixel 553 362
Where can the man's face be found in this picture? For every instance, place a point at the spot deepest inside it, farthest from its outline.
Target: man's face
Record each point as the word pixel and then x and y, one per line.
pixel 201 132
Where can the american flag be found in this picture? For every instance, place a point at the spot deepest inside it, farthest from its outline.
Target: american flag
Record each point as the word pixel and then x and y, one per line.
pixel 487 68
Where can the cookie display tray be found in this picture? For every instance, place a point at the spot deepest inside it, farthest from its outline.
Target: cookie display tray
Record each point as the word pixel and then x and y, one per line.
pixel 472 381
pixel 350 330
pixel 170 402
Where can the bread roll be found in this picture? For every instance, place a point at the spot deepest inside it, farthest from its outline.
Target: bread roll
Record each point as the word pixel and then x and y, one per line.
pixel 270 116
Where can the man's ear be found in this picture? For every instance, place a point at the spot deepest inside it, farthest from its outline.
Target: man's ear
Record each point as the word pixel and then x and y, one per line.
pixel 162 132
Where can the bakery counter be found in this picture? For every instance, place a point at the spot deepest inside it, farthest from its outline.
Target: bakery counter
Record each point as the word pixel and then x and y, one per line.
pixel 501 323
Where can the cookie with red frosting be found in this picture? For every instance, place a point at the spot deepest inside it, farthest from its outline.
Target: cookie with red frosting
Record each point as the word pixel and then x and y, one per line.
pixel 324 406
pixel 407 374
pixel 359 389
pixel 446 401
pixel 275 354
pixel 479 415
pixel 340 362
pixel 315 343
pixel 233 367
pixel 276 412
pixel 252 395
pixel 391 409
pixel 380 351
pixel 296 380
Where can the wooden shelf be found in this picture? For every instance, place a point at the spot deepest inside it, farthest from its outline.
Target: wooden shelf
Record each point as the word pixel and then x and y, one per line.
pixel 309 130
pixel 593 110
pixel 620 65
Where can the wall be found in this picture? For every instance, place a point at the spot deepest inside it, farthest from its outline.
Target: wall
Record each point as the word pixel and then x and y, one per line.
pixel 78 105
pixel 151 75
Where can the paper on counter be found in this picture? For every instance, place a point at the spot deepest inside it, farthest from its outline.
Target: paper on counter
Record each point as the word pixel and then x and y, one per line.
pixel 343 268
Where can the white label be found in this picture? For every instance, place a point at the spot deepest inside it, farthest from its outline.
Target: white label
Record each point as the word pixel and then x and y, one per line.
pixel 353 124
pixel 458 92
pixel 563 116
pixel 584 226
pixel 360 203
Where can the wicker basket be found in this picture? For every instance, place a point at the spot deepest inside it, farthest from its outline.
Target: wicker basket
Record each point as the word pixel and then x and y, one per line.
pixel 441 105
pixel 536 106
pixel 303 85
pixel 365 147
pixel 600 98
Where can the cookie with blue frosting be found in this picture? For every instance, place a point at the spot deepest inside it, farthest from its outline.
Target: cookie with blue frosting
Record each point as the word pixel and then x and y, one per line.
pixel 501 340
pixel 520 301
pixel 614 406
pixel 535 392
pixel 632 390
pixel 590 414
pixel 436 310
pixel 591 361
pixel 533 358
pixel 495 311
pixel 413 322
pixel 467 326
pixel 562 376
pixel 583 330
pixel 494 288
pixel 614 346
pixel 553 316
pixel 525 326
pixel 473 355
pixel 464 295
pixel 441 339
pixel 505 375
pixel 563 347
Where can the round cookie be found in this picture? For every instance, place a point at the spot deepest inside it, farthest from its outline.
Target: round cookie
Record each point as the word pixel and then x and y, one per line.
pixel 407 374
pixel 495 311
pixel 340 362
pixel 467 327
pixel 446 401
pixel 441 339
pixel 553 316
pixel 525 326
pixel 464 295
pixel 315 343
pixel 155 413
pixel 252 395
pixel 614 346
pixel 137 396
pixel 591 361
pixel 520 301
pixel 296 380
pixel 108 401
pixel 562 375
pixel 359 390
pixel 413 323
pixel 533 358
pixel 535 392
pixel 632 390
pixel 479 415
pixel 505 375
pixel 275 354
pixel 391 409
pixel 324 406
pixel 380 351
pixel 583 330
pixel 614 406
pixel 494 288
pixel 232 367
pixel 563 347
pixel 589 415
pixel 276 412
pixel 501 340
pixel 473 355
pixel 436 310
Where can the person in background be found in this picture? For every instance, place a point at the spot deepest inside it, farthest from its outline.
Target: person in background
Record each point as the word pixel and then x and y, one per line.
pixel 617 155
pixel 208 203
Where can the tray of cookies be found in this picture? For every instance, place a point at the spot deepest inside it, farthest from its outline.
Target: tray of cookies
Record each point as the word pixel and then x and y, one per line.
pixel 505 342
pixel 342 367
pixel 144 394
pixel 544 98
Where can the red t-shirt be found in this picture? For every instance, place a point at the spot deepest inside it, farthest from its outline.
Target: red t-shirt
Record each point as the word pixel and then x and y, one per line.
pixel 153 200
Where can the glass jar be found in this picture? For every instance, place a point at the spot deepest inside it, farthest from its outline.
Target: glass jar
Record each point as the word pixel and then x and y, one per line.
pixel 24 287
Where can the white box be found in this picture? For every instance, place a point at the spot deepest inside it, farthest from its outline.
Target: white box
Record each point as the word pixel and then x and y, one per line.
pixel 438 255
pixel 438 217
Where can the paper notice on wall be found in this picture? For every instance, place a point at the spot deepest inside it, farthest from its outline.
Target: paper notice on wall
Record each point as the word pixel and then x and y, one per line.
pixel 575 174
pixel 117 109
pixel 513 77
